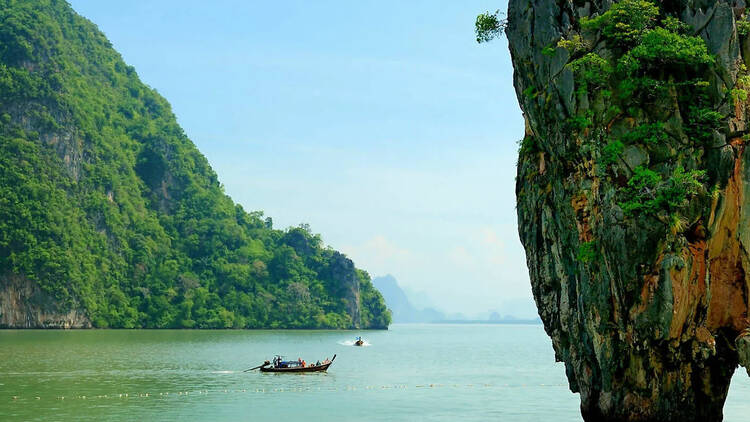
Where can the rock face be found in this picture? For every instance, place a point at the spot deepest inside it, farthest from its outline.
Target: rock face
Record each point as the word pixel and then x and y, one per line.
pixel 24 305
pixel 633 194
pixel 343 276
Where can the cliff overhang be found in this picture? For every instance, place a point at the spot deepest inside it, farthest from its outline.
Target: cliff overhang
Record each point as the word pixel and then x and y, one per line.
pixel 632 193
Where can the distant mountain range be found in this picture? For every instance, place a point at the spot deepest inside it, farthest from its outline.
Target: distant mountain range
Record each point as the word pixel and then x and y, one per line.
pixel 402 310
pixel 407 306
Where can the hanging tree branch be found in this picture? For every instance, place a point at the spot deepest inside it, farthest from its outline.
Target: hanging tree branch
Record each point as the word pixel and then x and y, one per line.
pixel 490 26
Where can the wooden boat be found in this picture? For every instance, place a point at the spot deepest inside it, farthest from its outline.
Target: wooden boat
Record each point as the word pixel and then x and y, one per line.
pixel 291 368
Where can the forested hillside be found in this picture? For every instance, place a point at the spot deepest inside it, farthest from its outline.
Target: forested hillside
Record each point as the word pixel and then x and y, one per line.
pixel 109 213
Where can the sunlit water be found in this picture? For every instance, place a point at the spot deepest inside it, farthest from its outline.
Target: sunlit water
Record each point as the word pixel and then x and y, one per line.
pixel 410 372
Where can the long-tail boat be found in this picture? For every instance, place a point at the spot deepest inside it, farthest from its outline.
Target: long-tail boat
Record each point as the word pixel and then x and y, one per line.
pixel 294 366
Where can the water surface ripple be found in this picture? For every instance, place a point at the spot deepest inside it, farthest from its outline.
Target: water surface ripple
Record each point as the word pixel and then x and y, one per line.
pixel 410 372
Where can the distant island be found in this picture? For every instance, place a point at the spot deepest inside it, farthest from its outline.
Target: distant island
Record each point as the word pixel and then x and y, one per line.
pixel 110 216
pixel 491 321
pixel 404 311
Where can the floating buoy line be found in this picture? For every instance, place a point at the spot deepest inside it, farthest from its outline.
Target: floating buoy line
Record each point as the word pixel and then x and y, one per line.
pixel 199 393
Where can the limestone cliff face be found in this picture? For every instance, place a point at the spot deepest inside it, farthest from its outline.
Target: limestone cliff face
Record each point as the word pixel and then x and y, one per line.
pixel 24 305
pixel 344 277
pixel 642 285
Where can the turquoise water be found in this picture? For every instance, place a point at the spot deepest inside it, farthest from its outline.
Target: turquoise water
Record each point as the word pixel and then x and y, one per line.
pixel 410 372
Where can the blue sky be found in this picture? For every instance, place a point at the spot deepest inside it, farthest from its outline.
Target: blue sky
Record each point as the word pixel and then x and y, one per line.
pixel 383 125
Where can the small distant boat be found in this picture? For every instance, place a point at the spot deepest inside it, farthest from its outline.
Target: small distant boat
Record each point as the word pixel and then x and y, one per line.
pixel 293 366
pixel 359 342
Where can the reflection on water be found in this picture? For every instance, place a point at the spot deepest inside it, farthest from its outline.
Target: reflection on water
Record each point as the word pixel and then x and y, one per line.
pixel 435 372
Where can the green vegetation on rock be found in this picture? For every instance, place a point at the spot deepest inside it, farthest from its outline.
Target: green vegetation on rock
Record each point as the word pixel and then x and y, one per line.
pixel 612 151
pixel 625 23
pixel 108 207
pixel 650 58
pixel 646 134
pixel 632 208
pixel 587 252
pixel 649 193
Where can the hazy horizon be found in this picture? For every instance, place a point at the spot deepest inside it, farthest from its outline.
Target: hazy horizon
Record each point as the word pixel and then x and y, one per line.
pixel 388 129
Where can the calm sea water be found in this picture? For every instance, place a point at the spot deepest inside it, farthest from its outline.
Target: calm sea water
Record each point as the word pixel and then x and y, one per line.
pixel 410 372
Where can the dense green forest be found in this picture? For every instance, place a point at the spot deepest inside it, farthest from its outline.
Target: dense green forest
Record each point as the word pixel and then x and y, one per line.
pixel 108 207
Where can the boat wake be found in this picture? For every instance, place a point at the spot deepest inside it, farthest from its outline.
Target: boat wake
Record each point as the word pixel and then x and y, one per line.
pixel 351 343
pixel 223 372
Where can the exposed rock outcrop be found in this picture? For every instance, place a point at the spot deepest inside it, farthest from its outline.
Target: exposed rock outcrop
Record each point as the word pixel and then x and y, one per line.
pixel 24 305
pixel 345 281
pixel 633 194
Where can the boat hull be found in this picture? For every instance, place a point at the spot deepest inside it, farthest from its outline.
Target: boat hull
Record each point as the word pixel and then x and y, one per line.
pixel 297 369
pixel 315 368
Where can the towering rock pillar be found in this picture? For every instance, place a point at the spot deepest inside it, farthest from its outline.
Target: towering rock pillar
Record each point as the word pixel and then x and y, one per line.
pixel 631 188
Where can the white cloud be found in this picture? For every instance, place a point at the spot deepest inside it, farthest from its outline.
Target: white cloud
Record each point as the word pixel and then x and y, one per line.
pixel 379 255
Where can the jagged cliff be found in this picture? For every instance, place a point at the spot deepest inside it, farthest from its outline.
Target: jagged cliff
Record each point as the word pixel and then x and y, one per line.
pixel 24 305
pixel 633 192
pixel 110 217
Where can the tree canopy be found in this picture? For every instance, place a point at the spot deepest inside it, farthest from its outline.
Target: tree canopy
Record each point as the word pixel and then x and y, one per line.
pixel 109 207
